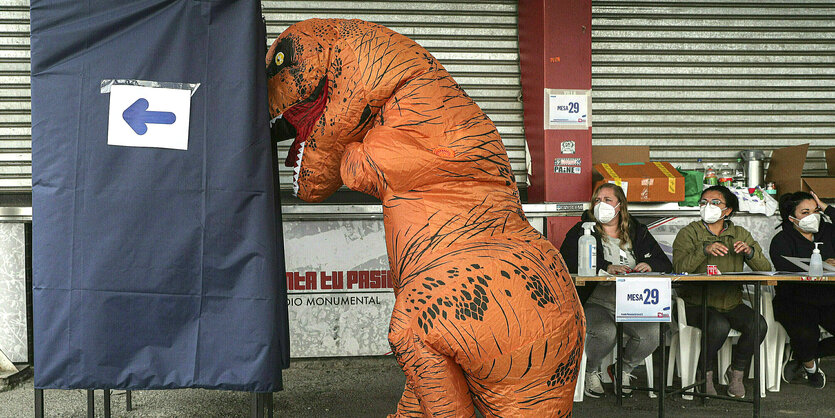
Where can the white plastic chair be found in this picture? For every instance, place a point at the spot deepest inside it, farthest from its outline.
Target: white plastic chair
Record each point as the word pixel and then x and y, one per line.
pixel 610 359
pixel 579 389
pixel 775 344
pixel 686 346
pixel 723 357
pixel 772 349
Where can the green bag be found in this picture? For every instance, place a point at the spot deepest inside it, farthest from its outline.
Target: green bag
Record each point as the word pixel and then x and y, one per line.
pixel 693 186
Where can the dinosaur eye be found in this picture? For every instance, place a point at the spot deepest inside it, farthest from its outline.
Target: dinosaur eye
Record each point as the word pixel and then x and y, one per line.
pixel 279 58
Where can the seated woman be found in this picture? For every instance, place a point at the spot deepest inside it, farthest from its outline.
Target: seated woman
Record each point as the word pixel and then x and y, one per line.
pixel 624 245
pixel 803 307
pixel 715 240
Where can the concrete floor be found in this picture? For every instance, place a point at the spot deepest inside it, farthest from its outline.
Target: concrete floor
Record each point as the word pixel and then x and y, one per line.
pixel 370 387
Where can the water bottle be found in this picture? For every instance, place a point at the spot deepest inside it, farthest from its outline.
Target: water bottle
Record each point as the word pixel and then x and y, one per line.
pixel 815 262
pixel 587 252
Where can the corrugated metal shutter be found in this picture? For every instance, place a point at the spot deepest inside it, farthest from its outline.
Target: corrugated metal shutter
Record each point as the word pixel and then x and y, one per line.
pixel 705 79
pixel 475 41
pixel 15 100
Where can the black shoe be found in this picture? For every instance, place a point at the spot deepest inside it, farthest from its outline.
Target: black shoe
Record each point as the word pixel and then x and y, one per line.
pixel 817 379
pixel 794 372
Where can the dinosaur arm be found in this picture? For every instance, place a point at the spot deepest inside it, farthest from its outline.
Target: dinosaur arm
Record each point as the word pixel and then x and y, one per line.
pixel 387 160
pixel 360 172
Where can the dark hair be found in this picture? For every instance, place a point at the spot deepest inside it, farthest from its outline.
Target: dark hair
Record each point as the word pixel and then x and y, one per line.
pixel 789 202
pixel 730 199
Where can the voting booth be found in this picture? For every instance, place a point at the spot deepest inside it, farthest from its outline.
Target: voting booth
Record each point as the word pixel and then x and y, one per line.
pixel 157 250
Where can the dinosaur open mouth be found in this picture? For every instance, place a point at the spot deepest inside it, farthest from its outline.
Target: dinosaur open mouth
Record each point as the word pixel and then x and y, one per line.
pixel 303 117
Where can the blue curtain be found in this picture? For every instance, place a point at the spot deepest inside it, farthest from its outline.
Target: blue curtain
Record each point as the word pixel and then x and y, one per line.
pixel 155 268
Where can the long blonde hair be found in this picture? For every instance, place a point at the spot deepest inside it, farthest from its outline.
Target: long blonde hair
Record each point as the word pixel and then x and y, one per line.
pixel 623 219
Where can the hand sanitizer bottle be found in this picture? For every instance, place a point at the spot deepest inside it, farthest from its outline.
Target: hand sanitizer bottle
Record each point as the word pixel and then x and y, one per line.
pixel 587 252
pixel 815 262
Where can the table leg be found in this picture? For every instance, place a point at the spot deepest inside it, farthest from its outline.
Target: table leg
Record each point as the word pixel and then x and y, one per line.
pixel 619 364
pixel 757 359
pixel 107 403
pixel 38 403
pixel 663 378
pixel 704 343
pixel 91 403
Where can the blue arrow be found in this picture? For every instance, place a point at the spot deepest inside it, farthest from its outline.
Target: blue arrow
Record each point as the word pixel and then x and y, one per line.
pixel 137 115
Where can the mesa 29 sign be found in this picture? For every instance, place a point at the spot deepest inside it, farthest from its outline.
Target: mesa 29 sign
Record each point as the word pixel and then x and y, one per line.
pixel 643 299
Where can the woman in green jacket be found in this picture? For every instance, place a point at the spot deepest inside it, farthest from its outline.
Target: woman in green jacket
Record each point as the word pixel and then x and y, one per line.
pixel 715 240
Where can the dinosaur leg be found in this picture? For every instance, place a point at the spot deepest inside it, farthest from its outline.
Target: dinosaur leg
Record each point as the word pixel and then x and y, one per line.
pixel 437 382
pixel 409 405
pixel 536 380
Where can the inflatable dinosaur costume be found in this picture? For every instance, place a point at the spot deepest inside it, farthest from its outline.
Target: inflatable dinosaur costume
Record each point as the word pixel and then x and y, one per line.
pixel 486 314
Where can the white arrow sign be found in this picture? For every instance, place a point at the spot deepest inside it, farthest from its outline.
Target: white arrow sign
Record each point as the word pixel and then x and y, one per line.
pixel 148 117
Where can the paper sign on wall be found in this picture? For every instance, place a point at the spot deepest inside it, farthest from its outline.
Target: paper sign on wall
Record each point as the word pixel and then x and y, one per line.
pixel 567 109
pixel 643 299
pixel 153 117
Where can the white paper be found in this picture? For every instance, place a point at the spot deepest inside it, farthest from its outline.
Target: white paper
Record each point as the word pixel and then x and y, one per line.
pixel 803 263
pixel 162 124
pixel 643 299
pixel 624 185
pixel 568 108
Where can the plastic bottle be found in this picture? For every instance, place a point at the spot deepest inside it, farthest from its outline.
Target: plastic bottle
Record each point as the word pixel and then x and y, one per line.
pixel 710 176
pixel 815 262
pixel 739 175
pixel 726 176
pixel 587 252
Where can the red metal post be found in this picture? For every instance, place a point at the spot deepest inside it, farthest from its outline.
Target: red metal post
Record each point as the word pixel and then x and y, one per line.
pixel 555 53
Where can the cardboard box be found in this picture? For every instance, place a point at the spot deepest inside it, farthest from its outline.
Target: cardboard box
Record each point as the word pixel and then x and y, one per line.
pixel 619 154
pixel 644 182
pixel 785 169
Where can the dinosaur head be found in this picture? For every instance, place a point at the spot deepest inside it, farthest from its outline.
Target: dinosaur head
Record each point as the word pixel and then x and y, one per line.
pixel 327 80
pixel 297 73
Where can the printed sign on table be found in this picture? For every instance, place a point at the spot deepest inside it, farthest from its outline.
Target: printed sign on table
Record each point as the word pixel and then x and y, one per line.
pixel 643 299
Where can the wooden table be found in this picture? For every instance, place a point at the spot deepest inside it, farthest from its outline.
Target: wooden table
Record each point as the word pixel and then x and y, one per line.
pixel 757 279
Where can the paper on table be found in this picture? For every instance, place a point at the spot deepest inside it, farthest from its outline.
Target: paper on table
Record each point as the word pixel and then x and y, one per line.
pixel 804 263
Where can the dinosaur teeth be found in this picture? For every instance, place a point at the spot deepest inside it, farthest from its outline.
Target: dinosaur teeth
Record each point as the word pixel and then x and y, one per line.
pixel 297 170
pixel 274 120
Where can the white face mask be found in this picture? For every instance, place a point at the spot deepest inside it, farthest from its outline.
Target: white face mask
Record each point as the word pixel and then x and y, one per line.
pixel 604 212
pixel 810 223
pixel 710 213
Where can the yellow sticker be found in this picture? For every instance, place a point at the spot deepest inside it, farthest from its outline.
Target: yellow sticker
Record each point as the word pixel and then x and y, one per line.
pixel 671 181
pixel 612 173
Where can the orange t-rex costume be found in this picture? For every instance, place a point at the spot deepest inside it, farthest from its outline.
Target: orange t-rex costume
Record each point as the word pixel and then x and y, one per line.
pixel 486 314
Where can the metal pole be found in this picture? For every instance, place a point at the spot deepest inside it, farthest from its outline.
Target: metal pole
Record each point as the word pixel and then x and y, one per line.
pixel 619 365
pixel 663 378
pixel 38 403
pixel 255 406
pixel 91 403
pixel 128 401
pixel 107 403
pixel 704 342
pixel 757 376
